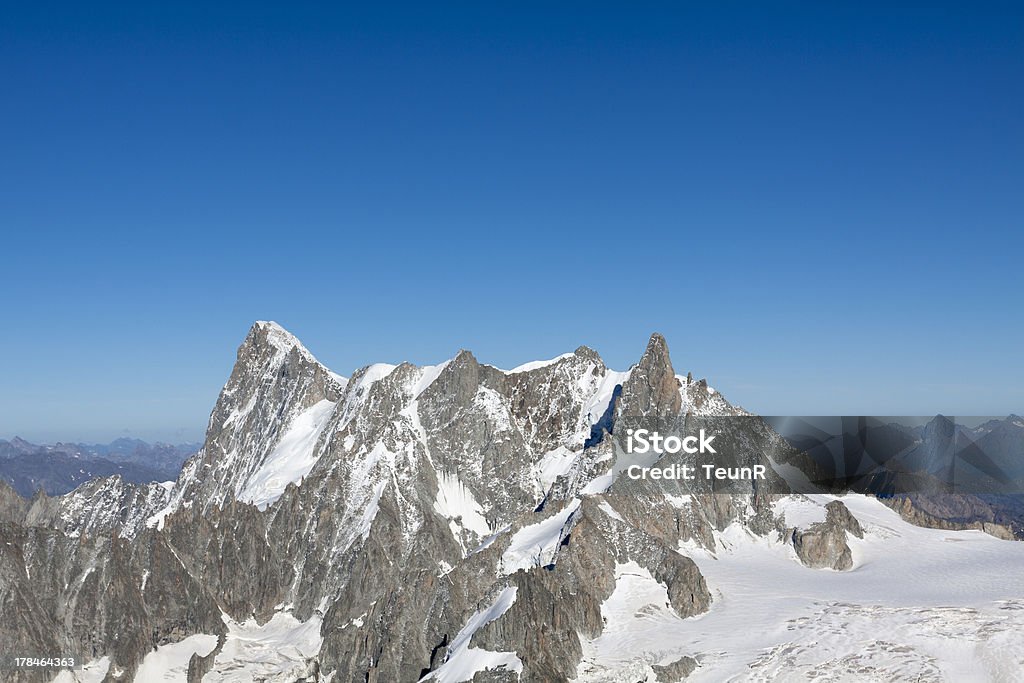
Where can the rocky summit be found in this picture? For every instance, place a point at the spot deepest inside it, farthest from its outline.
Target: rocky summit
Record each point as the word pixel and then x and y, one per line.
pixel 445 523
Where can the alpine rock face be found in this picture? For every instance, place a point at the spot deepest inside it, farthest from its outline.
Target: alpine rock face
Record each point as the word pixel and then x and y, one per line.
pixel 460 522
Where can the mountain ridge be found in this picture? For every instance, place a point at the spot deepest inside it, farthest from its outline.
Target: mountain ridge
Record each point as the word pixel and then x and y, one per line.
pixel 439 523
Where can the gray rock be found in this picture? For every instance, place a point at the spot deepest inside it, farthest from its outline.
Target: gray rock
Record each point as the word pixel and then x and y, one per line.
pixel 675 671
pixel 823 545
pixel 999 517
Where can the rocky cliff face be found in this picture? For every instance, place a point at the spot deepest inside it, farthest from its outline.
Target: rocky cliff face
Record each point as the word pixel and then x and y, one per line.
pixel 413 523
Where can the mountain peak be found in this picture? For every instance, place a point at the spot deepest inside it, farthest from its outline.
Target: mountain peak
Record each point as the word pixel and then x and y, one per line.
pixel 464 357
pixel 587 353
pixel 657 345
pixel 652 388
pixel 269 335
pixel 274 334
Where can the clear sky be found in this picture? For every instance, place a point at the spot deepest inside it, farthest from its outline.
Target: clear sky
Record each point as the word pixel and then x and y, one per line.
pixel 820 205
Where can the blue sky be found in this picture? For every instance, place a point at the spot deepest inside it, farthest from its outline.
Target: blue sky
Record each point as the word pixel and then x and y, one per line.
pixel 820 207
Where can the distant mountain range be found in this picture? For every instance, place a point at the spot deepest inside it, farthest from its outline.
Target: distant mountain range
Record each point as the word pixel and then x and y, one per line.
pixel 62 467
pixel 941 474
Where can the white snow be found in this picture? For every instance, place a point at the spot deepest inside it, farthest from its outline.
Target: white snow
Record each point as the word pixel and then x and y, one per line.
pixel 370 511
pixel 799 512
pixel 285 342
pixel 537 364
pixel 292 458
pixel 279 337
pixel 157 520
pixel 487 542
pixel 374 373
pixel 276 651
pixel 636 615
pixel 237 414
pixel 428 374
pixel 623 461
pixel 463 661
pixel 679 502
pixel 919 604
pixel 597 404
pixel 793 475
pixel 492 404
pixel 599 484
pixel 456 502
pixel 610 511
pixel 535 545
pixel 554 464
pixel 169 663
pixel 91 672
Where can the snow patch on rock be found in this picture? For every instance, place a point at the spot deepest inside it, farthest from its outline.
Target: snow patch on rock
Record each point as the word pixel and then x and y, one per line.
pixel 279 650
pixel 456 502
pixel 554 464
pixel 169 663
pixel 596 406
pixel 537 364
pixel 638 619
pixel 535 545
pixel 292 458
pixel 799 512
pixel 464 662
pixel 91 672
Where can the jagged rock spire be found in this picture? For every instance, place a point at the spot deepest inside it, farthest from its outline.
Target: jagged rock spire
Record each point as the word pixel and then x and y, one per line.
pixel 652 388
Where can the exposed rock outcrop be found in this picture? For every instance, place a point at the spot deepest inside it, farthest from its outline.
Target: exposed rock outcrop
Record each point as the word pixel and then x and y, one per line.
pixel 824 544
pixel 675 671
pixel 961 511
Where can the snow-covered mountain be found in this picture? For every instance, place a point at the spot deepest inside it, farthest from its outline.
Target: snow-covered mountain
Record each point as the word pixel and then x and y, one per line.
pixel 461 522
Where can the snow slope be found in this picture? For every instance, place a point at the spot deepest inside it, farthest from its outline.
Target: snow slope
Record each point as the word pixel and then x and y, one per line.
pixel 920 604
pixel 457 503
pixel 535 545
pixel 169 663
pixel 636 616
pixel 537 364
pixel 464 661
pixel 292 458
pixel 91 672
pixel 276 651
